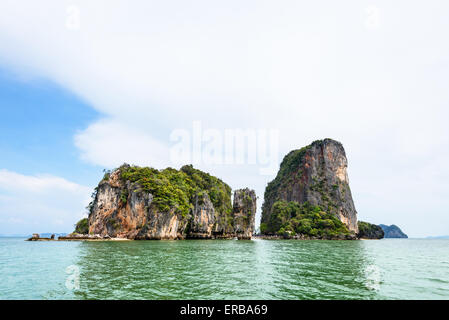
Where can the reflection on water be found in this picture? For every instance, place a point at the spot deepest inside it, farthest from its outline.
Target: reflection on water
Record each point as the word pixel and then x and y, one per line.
pixel 225 269
pixel 320 269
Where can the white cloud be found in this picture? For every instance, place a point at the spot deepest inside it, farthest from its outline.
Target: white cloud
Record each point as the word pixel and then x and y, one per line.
pixel 110 143
pixel 38 184
pixel 310 72
pixel 41 203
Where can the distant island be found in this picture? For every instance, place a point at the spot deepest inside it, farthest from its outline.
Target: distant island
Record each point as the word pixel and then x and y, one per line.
pixel 438 237
pixel 393 231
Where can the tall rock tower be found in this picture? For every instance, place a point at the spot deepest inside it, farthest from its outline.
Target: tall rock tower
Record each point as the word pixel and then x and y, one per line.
pixel 315 174
pixel 244 211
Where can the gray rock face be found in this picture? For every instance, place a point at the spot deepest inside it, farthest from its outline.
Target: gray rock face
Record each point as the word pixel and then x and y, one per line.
pixel 316 174
pixel 122 209
pixel 203 221
pixel 392 231
pixel 244 210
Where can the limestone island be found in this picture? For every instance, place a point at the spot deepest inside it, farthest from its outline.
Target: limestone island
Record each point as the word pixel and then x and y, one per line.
pixel 310 198
pixel 142 203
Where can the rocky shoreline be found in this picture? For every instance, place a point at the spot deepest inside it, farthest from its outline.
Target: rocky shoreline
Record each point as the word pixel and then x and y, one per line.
pixel 77 237
pixel 304 237
pixel 99 237
pixel 89 237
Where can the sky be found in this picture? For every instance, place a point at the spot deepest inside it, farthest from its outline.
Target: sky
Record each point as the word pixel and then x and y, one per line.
pixel 89 85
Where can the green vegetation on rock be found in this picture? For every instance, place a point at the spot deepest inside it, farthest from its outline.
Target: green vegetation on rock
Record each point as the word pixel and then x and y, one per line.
pixel 82 227
pixel 291 170
pixel 369 231
pixel 289 165
pixel 290 218
pixel 314 178
pixel 124 196
pixel 177 189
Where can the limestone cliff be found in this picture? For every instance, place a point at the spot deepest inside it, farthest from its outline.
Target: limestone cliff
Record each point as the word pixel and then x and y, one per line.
pixel 145 203
pixel 244 210
pixel 314 175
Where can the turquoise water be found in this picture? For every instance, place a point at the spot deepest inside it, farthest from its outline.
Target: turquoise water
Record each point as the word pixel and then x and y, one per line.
pixel 225 269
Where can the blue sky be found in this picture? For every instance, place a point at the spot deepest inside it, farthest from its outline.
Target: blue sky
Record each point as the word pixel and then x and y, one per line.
pixel 39 120
pixel 38 123
pixel 87 85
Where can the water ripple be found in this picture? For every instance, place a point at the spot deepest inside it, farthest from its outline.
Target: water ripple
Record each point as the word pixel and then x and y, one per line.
pixel 220 269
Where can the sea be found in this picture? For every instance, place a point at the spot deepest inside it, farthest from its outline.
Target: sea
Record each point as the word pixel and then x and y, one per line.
pixel 225 269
